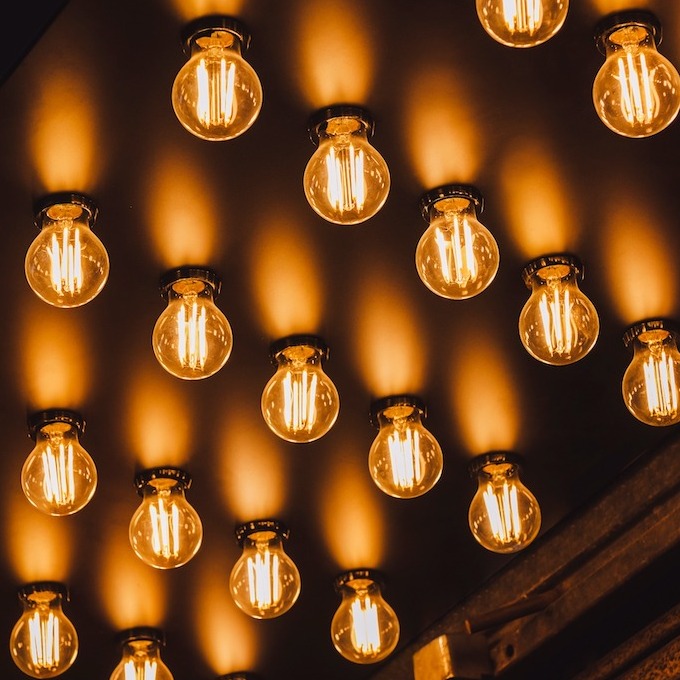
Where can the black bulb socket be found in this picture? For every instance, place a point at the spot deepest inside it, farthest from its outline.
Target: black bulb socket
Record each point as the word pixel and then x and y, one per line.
pixel 380 405
pixel 617 20
pixel 246 529
pixel 429 200
pixel 318 121
pixel 342 579
pixel 144 478
pixel 204 274
pixel 637 329
pixel 478 463
pixel 39 419
pixel 43 205
pixel 209 24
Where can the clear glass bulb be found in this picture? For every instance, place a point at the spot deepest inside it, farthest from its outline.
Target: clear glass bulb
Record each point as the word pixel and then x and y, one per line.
pixel 637 90
pixel 558 324
pixel 264 582
pixel 457 257
pixel 651 383
pixel 346 180
pixel 66 265
pixel 165 530
pixel 216 95
pixel 59 476
pixel 300 403
pixel 141 656
pixel 365 628
pixel 43 643
pixel 504 515
pixel 192 338
pixel 522 23
pixel 405 460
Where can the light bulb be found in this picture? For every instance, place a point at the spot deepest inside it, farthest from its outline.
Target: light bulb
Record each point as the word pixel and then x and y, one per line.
pixel 43 643
pixel 264 582
pixel 558 324
pixel 651 383
pixel 300 403
pixel 637 90
pixel 66 265
pixel 141 657
pixel 59 477
pixel 405 460
pixel 504 515
pixel 522 23
pixel 346 180
pixel 364 628
pixel 165 530
pixel 216 94
pixel 457 257
pixel 192 338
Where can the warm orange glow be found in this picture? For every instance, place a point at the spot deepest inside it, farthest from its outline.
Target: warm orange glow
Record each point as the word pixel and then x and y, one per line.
pixel 56 357
pixel 190 9
pixel 253 470
pixel 216 619
pixel 154 402
pixel 388 342
pixel 353 523
pixel 638 251
pixel 537 201
pixel 132 594
pixel 484 394
pixel 186 227
pixel 40 548
pixel 439 128
pixel 335 60
pixel 603 7
pixel 286 279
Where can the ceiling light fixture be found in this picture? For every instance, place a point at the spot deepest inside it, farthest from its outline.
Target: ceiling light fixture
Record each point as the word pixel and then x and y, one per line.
pixel 66 265
pixel 43 643
pixel 651 383
pixel 59 476
pixel 636 92
pixel 192 338
pixel 457 257
pixel 558 324
pixel 522 23
pixel 141 656
pixel 300 403
pixel 346 180
pixel 216 95
pixel 405 460
pixel 165 530
pixel 365 628
pixel 264 582
pixel 504 516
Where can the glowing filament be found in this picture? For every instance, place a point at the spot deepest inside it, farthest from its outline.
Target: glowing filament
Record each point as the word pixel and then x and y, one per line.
pixel 503 511
pixel 215 100
pixel 264 585
pixel 299 405
pixel 44 640
pixel 346 187
pixel 66 272
pixel 662 394
pixel 164 528
pixel 134 671
pixel 558 325
pixel 405 458
pixel 192 344
pixel 638 101
pixel 523 16
pixel 58 476
pixel 456 254
pixel 365 630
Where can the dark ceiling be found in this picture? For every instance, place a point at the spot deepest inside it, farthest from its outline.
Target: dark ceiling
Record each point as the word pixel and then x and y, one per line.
pixel 88 109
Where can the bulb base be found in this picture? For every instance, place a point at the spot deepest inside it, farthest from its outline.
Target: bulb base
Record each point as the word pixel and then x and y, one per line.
pixel 246 529
pixel 41 418
pixel 206 25
pixel 318 121
pixel 616 20
pixel 141 633
pixel 342 579
pixel 380 405
pixel 429 200
pixel 204 274
pixel 637 329
pixel 44 207
pixel 24 592
pixel 478 463
pixel 145 477
pixel 539 263
pixel 313 341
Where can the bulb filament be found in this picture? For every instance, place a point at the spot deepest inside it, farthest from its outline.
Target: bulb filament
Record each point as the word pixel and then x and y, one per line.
pixel 365 629
pixel 503 511
pixel 44 639
pixel 456 255
pixel 299 400
pixel 559 328
pixel 58 475
pixel 264 586
pixel 215 100
pixel 192 344
pixel 138 671
pixel 639 101
pixel 164 528
pixel 345 168
pixel 662 394
pixel 66 272
pixel 523 16
pixel 404 448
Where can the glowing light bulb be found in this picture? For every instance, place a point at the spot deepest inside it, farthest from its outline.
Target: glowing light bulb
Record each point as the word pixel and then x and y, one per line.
pixel 365 628
pixel 300 403
pixel 264 582
pixel 192 338
pixel 456 257
pixel 504 515
pixel 66 265
pixel 558 324
pixel 165 531
pixel 59 477
pixel 637 90
pixel 43 643
pixel 141 657
pixel 405 460
pixel 216 94
pixel 346 180
pixel 651 383
pixel 522 23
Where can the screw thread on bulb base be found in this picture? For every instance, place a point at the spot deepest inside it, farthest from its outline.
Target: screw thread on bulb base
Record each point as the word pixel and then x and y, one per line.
pixel 478 463
pixel 204 26
pixel 379 405
pixel 319 119
pixel 204 274
pixel 429 200
pixel 640 327
pixel 244 530
pixel 616 20
pixel 41 418
pixel 42 206
pixel 314 341
pixel 145 477
pixel 342 579
pixel 539 263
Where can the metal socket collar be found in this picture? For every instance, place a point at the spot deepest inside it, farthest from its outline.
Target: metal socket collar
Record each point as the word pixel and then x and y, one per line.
pixel 313 341
pixel 205 26
pixel 379 405
pixel 550 260
pixel 616 20
pixel 429 200
pixel 41 418
pixel 145 477
pixel 204 274
pixel 246 529
pixel 55 587
pixel 342 579
pixel 43 205
pixel 141 633
pixel 478 463
pixel 319 119
pixel 636 329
